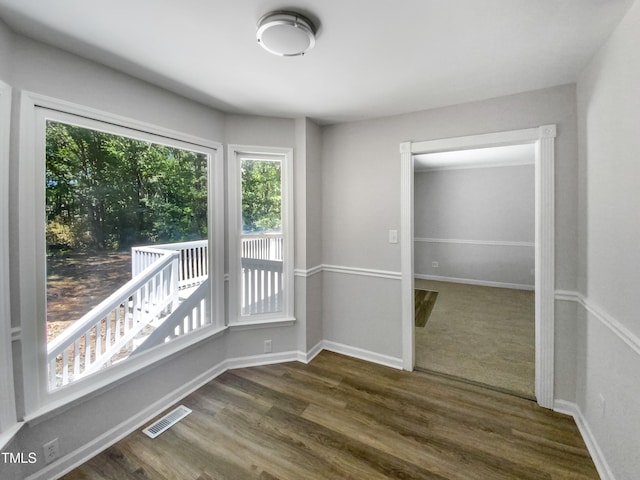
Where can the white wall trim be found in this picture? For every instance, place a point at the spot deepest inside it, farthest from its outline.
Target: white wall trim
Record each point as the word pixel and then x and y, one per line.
pixel 616 327
pixel 499 243
pixel 362 271
pixel 261 359
pixel 471 281
pixel 365 272
pixel 505 163
pixel 300 272
pixel 8 418
pixel 362 354
pixel 311 354
pixel 261 323
pixel 568 296
pixel 543 138
pixel 16 334
pixel 569 408
pixel 63 106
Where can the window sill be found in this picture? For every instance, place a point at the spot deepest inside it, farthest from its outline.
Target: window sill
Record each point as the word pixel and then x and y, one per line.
pixel 265 323
pixel 9 434
pixel 76 393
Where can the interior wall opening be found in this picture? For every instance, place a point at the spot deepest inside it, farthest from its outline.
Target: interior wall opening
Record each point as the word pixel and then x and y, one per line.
pixel 543 140
pixel 474 265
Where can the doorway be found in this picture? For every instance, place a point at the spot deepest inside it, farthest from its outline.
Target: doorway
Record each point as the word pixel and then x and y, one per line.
pixel 542 139
pixel 474 265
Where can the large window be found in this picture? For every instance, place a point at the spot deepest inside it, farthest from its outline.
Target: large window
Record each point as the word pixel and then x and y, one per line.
pixel 131 245
pixel 260 247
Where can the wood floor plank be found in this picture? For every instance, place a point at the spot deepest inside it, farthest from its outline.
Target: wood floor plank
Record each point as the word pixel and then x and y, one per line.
pixel 342 418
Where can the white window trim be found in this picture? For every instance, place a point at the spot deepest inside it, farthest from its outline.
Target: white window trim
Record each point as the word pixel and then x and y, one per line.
pixel 8 419
pixel 39 402
pixel 286 316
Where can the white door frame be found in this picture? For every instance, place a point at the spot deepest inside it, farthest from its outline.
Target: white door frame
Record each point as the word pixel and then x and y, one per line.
pixel 543 138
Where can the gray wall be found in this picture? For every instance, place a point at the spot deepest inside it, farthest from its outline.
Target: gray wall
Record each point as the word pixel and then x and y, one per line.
pixel 351 182
pixel 307 202
pixel 6 51
pixel 361 202
pixel 476 205
pixel 609 328
pixel 45 70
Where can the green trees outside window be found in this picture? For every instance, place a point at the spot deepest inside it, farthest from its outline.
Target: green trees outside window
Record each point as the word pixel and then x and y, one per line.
pixel 261 196
pixel 106 192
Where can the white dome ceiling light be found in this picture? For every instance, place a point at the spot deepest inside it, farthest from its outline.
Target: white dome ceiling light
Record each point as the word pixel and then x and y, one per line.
pixel 285 33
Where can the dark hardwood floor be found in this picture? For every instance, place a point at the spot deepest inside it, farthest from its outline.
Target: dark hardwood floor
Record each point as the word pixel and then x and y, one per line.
pixel 340 417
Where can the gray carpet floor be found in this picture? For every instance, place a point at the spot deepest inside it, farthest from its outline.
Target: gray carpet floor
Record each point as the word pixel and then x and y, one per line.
pixel 482 334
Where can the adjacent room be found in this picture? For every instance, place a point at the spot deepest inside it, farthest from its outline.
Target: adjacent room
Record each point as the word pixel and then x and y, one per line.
pixel 313 240
pixel 474 225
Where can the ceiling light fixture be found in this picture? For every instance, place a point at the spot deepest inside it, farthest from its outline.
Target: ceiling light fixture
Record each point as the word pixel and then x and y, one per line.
pixel 286 33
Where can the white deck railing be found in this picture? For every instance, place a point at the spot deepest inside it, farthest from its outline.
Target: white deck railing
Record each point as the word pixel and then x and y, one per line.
pixel 105 333
pixel 190 315
pixel 193 267
pixel 261 286
pixel 263 247
pixel 142 306
pixel 261 274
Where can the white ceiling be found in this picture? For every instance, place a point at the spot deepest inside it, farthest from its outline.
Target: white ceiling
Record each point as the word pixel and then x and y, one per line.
pixel 475 158
pixel 372 57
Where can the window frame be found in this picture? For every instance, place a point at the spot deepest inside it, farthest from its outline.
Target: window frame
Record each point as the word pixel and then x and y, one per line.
pixel 8 417
pixel 235 154
pixel 34 111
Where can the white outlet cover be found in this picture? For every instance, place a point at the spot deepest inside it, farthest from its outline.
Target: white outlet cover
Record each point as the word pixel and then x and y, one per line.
pixel 51 450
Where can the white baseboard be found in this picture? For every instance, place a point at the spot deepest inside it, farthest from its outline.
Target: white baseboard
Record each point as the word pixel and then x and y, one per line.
pixel 258 360
pixel 362 354
pixel 311 354
pixel 471 281
pixel 76 458
pixel 569 408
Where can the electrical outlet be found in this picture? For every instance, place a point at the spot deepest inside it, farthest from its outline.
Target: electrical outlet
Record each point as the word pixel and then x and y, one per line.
pixel 435 264
pixel 267 346
pixel 51 450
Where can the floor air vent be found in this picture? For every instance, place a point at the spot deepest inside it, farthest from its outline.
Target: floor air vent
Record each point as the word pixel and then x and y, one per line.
pixel 166 422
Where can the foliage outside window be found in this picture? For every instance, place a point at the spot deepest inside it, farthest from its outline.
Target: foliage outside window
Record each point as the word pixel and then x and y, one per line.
pixel 126 237
pixel 106 193
pixel 261 243
pixel 261 196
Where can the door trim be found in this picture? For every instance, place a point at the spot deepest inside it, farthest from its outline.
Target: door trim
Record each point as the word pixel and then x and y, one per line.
pixel 543 138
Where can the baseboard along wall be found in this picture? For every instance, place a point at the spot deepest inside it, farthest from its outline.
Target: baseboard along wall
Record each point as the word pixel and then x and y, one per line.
pixel 572 409
pixel 76 458
pixel 471 281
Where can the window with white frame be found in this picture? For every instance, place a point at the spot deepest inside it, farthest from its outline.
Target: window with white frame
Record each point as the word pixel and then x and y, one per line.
pixel 127 264
pixel 261 226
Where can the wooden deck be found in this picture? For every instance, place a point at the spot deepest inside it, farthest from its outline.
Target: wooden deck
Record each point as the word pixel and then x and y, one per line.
pixel 343 418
